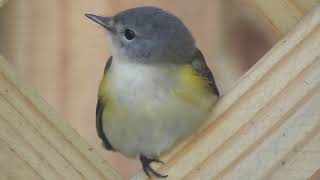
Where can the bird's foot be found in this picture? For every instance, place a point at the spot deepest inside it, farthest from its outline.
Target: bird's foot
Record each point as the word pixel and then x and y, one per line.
pixel 148 169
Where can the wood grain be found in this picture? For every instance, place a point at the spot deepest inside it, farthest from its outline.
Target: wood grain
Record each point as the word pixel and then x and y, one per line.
pixel 36 139
pixel 282 15
pixel 2 2
pixel 268 125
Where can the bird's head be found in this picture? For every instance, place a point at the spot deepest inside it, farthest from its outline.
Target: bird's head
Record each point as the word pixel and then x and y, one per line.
pixel 148 35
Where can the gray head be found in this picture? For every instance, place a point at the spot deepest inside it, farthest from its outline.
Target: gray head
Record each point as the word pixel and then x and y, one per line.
pixel 148 35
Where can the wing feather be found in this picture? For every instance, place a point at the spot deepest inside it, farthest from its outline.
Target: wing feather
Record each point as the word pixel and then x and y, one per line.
pixel 199 64
pixel 99 111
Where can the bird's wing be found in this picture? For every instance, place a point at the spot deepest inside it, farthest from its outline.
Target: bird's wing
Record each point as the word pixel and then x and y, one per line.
pixel 99 111
pixel 199 64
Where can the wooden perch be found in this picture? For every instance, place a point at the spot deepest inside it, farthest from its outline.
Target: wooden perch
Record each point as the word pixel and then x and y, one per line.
pixel 37 144
pixel 268 125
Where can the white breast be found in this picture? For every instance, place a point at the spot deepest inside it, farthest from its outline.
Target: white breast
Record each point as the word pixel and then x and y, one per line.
pixel 133 82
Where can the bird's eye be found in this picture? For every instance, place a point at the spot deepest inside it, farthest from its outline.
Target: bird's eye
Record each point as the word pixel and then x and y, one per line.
pixel 129 34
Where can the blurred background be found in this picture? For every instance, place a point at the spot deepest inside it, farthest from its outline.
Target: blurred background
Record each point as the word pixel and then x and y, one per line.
pixel 61 54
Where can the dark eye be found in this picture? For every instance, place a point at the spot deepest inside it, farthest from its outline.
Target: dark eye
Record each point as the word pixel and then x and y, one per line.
pixel 129 34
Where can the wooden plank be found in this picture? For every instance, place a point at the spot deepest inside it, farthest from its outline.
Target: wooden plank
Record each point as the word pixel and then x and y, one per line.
pixel 305 5
pixel 2 2
pixel 10 162
pixel 305 160
pixel 281 143
pixel 262 122
pixel 41 139
pixel 282 15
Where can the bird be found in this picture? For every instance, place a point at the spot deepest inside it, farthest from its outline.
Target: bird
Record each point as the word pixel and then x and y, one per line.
pixel 156 89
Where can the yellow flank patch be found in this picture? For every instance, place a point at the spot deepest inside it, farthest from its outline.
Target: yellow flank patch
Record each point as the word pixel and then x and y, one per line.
pixel 111 109
pixel 191 86
pixel 105 96
pixel 104 89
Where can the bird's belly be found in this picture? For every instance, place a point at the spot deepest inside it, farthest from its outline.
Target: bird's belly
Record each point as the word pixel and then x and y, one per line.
pixel 148 111
pixel 152 127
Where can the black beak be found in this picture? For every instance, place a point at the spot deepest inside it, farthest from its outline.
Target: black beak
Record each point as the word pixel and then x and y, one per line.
pixel 103 21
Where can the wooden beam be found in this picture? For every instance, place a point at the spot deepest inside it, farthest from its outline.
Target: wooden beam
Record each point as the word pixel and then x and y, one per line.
pixel 35 139
pixel 282 15
pixel 2 2
pixel 269 120
pixel 305 5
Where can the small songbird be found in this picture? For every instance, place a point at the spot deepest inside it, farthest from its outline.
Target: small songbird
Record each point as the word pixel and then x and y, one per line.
pixel 156 88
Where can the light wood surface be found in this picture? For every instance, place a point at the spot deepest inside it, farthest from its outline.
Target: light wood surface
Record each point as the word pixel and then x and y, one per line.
pixel 268 126
pixel 2 2
pixel 35 143
pixel 282 15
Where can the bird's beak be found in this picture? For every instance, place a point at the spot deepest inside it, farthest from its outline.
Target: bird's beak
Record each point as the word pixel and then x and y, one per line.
pixel 103 21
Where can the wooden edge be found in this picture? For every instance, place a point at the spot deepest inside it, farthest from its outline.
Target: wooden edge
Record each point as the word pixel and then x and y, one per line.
pixel 2 2
pixel 47 136
pixel 281 15
pixel 293 60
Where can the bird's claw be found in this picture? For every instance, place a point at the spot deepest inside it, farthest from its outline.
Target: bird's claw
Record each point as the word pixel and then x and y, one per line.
pixel 148 169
